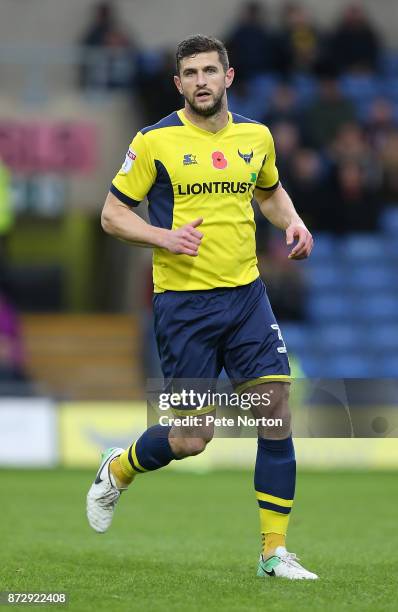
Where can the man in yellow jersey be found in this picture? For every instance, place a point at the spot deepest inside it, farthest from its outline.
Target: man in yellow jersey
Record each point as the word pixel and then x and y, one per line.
pixel 200 168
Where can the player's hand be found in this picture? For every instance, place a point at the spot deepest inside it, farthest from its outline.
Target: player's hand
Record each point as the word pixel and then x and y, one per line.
pixel 305 242
pixel 185 240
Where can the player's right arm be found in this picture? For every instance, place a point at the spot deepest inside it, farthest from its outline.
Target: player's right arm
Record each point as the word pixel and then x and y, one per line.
pixel 120 221
pixel 129 187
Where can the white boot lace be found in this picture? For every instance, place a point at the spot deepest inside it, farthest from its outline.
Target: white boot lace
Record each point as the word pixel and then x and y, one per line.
pixel 109 498
pixel 291 559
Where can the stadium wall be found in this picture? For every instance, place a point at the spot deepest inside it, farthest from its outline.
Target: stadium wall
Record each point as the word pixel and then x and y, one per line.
pixel 40 433
pixel 112 136
pixel 56 22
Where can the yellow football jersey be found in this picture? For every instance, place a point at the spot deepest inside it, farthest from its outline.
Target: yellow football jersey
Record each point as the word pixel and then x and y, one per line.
pixel 187 172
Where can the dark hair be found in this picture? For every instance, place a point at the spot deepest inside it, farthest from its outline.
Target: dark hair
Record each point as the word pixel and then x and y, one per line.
pixel 197 43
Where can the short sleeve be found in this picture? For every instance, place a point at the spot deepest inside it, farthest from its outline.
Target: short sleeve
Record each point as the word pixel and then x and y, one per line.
pixel 268 177
pixel 137 174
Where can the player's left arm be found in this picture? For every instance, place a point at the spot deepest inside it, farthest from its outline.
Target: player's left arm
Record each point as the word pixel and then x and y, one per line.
pixel 278 208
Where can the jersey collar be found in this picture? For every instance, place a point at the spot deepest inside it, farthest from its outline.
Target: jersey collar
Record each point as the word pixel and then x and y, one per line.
pixel 188 123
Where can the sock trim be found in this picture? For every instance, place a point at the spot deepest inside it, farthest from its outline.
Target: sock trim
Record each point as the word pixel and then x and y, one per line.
pixel 132 456
pixel 268 506
pixel 273 499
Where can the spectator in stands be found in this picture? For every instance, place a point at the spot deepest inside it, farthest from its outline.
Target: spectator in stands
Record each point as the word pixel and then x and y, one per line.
pixel 284 282
pixel 287 140
pixel 310 189
pixel 328 112
pixel 380 123
pixel 108 60
pixel 352 145
pixel 301 42
pixel 389 165
pixel 283 106
pixel 163 99
pixel 253 48
pixel 354 45
pixel 357 205
pixel 103 23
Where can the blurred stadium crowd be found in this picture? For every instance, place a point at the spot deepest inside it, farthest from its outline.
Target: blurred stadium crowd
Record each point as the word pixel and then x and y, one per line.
pixel 330 98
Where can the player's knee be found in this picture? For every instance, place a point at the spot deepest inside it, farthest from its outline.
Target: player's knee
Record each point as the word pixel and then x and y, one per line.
pixel 196 446
pixel 188 447
pixel 279 420
pixel 276 412
pixel 277 399
pixel 282 392
pixel 279 402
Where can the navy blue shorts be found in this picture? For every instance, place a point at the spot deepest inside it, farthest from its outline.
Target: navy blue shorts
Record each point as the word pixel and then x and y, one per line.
pixel 200 332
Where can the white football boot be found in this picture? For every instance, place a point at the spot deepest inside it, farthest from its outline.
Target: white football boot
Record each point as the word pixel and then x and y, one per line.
pixel 103 494
pixel 283 564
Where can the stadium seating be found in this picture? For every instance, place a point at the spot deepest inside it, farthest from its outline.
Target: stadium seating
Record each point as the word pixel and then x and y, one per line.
pixel 389 63
pixel 360 87
pixel 349 365
pixel 327 306
pixel 340 337
pixel 324 275
pixel 295 335
pixel 389 221
pixel 363 247
pixel 326 245
pixel 373 278
pixel 250 106
pixel 306 87
pixel 352 307
pixel 383 307
pixel 390 88
pixel 387 367
pixel 263 86
pixel 383 337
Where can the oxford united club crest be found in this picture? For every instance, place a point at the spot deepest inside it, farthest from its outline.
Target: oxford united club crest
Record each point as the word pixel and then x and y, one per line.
pixel 247 157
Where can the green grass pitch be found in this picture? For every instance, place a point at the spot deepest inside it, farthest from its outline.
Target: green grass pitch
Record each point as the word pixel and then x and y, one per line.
pixel 186 542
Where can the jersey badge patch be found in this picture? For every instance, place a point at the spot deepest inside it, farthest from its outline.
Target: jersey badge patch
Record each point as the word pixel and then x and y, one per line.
pixel 189 159
pixel 131 156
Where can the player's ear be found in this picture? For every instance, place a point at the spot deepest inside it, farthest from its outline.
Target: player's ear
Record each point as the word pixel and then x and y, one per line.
pixel 229 77
pixel 177 82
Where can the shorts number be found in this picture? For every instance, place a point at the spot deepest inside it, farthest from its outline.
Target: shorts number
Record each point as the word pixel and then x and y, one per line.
pixel 280 349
